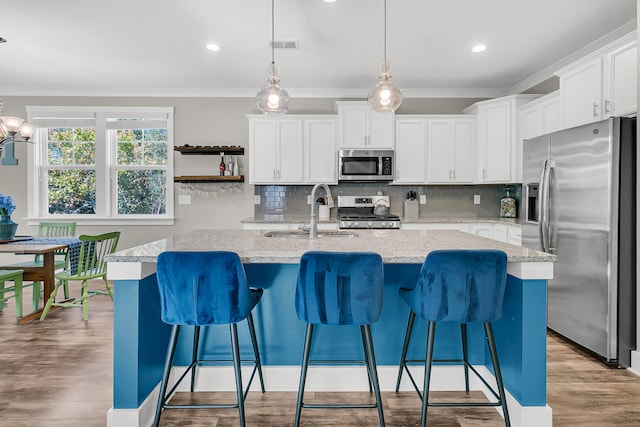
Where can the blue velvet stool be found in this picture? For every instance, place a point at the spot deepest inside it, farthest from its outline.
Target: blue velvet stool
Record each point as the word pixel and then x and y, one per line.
pixel 200 289
pixel 460 286
pixel 340 288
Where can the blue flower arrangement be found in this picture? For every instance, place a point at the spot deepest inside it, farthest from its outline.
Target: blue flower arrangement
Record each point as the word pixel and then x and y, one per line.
pixel 6 205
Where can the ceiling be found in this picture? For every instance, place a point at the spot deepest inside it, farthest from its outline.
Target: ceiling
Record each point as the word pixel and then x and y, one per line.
pixel 157 47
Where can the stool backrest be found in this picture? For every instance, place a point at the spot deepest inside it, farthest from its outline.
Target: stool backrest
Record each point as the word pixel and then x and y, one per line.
pixel 339 288
pixel 202 288
pixel 460 286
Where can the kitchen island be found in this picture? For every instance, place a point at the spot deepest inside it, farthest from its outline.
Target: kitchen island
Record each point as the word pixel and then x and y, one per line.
pixel 140 337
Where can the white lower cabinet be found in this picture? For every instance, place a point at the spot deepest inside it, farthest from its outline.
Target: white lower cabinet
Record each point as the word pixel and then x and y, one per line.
pixel 511 234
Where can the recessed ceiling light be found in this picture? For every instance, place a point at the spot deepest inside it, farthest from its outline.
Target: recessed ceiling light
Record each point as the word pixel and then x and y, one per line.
pixel 479 48
pixel 329 1
pixel 213 47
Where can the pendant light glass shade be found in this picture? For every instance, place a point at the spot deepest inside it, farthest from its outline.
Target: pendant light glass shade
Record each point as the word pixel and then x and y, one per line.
pixel 272 98
pixel 385 96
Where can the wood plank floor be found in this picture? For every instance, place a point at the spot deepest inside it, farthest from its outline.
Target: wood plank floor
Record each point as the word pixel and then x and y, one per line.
pixel 59 373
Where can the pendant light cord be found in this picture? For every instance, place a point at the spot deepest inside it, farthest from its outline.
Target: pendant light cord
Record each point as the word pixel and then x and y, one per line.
pixel 273 32
pixel 385 30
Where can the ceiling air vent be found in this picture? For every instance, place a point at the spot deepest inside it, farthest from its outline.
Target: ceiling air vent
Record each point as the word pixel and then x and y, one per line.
pixel 284 44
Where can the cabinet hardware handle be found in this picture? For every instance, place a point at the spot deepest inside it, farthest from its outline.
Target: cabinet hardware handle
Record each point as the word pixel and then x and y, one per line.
pixel 606 106
pixel 278 173
pixel 453 175
pixel 595 107
pixel 484 174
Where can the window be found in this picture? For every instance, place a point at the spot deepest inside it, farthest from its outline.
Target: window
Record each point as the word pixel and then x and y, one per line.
pixel 102 164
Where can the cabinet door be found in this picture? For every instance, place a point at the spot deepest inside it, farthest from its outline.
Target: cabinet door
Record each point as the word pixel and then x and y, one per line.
pixel 494 122
pixel 290 152
pixel 550 115
pixel 440 157
pixel 263 143
pixel 320 151
pixel 482 230
pixel 352 125
pixel 514 235
pixel 620 81
pixel 500 233
pixel 464 160
pixel 380 129
pixel 581 94
pixel 410 154
pixel 530 122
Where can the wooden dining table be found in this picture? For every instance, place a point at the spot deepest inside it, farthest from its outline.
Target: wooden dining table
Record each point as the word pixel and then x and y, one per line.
pixel 44 274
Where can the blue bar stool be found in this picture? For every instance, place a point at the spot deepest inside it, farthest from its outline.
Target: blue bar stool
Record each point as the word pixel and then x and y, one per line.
pixel 340 288
pixel 200 289
pixel 460 286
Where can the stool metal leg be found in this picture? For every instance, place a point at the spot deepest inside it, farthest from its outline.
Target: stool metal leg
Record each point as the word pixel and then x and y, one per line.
pixel 427 372
pixel 173 340
pixel 496 368
pixel 235 348
pixel 256 351
pixel 194 355
pixel 465 355
pixel 371 369
pixel 405 347
pixel 366 361
pixel 303 371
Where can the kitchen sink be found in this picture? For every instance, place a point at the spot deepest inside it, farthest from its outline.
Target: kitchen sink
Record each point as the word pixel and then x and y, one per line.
pixel 297 234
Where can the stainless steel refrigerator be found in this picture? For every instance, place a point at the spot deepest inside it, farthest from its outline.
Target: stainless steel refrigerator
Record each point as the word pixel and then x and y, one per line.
pixel 579 191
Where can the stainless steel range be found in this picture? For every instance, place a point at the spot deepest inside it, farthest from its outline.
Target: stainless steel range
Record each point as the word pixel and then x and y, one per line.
pixel 366 212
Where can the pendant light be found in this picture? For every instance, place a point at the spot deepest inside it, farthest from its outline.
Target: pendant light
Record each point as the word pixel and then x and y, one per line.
pixel 272 98
pixel 385 96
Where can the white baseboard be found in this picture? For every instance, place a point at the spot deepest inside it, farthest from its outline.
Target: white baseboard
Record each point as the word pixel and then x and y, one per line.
pixel 330 378
pixel 635 363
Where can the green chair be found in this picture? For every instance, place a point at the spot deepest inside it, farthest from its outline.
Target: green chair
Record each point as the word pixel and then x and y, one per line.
pixel 91 265
pixel 50 229
pixel 16 289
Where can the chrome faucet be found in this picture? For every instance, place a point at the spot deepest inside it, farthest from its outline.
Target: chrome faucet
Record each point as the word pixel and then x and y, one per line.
pixel 313 226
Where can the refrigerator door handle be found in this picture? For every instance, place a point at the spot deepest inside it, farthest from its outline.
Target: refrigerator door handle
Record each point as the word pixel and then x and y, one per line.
pixel 551 165
pixel 543 206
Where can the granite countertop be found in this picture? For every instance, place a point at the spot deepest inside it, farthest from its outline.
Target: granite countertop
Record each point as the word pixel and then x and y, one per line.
pixel 304 219
pixel 395 246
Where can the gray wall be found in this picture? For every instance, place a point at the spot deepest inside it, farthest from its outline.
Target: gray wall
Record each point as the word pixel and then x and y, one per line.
pixel 198 121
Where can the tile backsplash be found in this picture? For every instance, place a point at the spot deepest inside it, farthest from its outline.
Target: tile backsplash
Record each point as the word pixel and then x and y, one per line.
pixel 442 200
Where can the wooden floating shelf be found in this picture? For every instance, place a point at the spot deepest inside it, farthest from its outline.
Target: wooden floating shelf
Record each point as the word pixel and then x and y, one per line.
pixel 209 178
pixel 230 150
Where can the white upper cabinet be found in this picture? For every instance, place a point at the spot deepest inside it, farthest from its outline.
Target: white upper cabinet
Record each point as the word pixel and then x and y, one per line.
pixel 361 127
pixel 320 151
pixel 275 151
pixel 451 154
pixel 434 149
pixel 499 142
pixel 292 149
pixel 411 150
pixel 541 116
pixel 620 80
pixel 600 85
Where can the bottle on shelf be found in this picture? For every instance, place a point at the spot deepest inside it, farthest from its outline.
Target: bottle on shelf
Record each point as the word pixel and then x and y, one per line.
pixel 230 165
pixel 222 165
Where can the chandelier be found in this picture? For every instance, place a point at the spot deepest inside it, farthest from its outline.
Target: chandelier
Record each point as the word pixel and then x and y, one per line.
pixel 14 129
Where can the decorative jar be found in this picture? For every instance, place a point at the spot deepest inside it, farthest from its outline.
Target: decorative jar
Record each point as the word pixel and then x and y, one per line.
pixel 8 228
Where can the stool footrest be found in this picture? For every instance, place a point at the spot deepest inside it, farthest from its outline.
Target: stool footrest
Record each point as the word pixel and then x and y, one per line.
pixel 203 406
pixel 342 406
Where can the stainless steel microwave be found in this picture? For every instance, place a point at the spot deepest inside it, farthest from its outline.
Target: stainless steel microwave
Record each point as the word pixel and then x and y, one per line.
pixel 365 165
